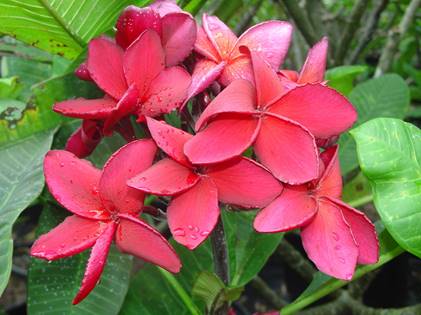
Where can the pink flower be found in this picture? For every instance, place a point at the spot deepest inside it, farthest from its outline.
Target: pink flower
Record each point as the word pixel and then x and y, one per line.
pixel 193 210
pixel 335 236
pixel 222 58
pixel 104 208
pixel 135 82
pixel 282 127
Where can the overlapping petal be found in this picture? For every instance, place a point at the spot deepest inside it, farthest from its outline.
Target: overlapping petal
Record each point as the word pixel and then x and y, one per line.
pixel 85 139
pixel 330 183
pixel 238 68
pixel 220 35
pixel 164 7
pixel 86 108
pixel 205 47
pixel 314 68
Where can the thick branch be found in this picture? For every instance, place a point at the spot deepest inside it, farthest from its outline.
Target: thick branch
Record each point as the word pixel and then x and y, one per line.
pixel 248 18
pixel 267 293
pixel 295 260
pixel 394 37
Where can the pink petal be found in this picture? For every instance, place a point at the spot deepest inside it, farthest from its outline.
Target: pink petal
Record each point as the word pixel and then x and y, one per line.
pixel 133 21
pixel 96 263
pixel 289 74
pixel 222 38
pixel 363 231
pixel 205 47
pixel 126 106
pixel 205 72
pixel 105 66
pixel 166 177
pixel 329 243
pixel 224 138
pixel 193 214
pixel 85 139
pixel 270 39
pixel 239 68
pixel 129 160
pixel 238 97
pixel 144 60
pixel 287 149
pixel 245 183
pixel 330 183
pixel 86 109
pixel 268 85
pixel 319 108
pixel 74 184
pixel 72 236
pixel 292 209
pixel 164 7
pixel 139 239
pixel 314 68
pixel 167 92
pixel 169 139
pixel 178 37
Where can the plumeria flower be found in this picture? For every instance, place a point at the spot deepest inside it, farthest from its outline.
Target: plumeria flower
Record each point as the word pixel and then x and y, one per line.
pixel 220 48
pixel 335 236
pixel 104 209
pixel 282 129
pixel 135 82
pixel 193 210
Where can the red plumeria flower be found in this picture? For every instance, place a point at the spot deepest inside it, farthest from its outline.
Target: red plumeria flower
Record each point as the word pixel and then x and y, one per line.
pixel 222 58
pixel 104 209
pixel 335 236
pixel 135 81
pixel 193 211
pixel 282 130
pixel 176 28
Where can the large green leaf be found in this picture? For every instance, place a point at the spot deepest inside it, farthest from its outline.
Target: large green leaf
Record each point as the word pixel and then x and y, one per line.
pixel 60 27
pixel 386 96
pixel 342 78
pixel 52 286
pixel 322 284
pixel 389 151
pixel 21 181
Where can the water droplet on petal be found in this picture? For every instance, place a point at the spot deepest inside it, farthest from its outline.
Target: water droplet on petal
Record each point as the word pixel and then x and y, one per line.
pixel 61 164
pixel 341 260
pixel 179 232
pixel 204 233
pixel 190 227
pixel 335 236
pixel 193 236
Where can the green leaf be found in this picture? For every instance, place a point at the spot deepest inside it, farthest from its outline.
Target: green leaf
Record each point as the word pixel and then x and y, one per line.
pixel 21 181
pixel 248 251
pixel 342 78
pixel 9 87
pixel 60 27
pixel 386 96
pixel 52 286
pixel 357 192
pixel 322 284
pixel 389 151
pixel 193 6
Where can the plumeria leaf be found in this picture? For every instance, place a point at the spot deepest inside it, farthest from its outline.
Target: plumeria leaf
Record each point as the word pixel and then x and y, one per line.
pixel 357 191
pixel 386 96
pixel 322 284
pixel 389 151
pixel 342 78
pixel 21 163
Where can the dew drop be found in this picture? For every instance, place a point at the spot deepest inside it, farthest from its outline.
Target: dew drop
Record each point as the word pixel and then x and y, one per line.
pixel 196 229
pixel 61 164
pixel 190 227
pixel 335 236
pixel 204 233
pixel 337 247
pixel 193 236
pixel 179 232
pixel 341 260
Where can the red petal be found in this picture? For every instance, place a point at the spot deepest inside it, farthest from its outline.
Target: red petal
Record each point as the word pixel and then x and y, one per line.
pixel 245 183
pixel 288 150
pixel 164 7
pixel 205 72
pixel 238 97
pixel 105 66
pixel 363 231
pixel 270 39
pixel 319 108
pixel 85 139
pixel 329 243
pixel 74 184
pixel 289 74
pixel 144 60
pixel 193 214
pixel 96 263
pixel 330 183
pixel 292 209
pixel 170 140
pixel 139 239
pixel 313 70
pixel 178 37
pixel 128 161
pixel 126 106
pixel 86 109
pixel 222 38
pixel 224 138
pixel 133 21
pixel 165 177
pixel 268 85
pixel 240 68
pixel 204 46
pixel 72 236
pixel 168 91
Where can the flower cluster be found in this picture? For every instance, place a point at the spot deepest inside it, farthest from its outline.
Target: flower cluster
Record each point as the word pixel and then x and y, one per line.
pixel 160 60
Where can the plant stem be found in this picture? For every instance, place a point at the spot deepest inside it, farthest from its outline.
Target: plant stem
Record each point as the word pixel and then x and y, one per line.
pixel 220 258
